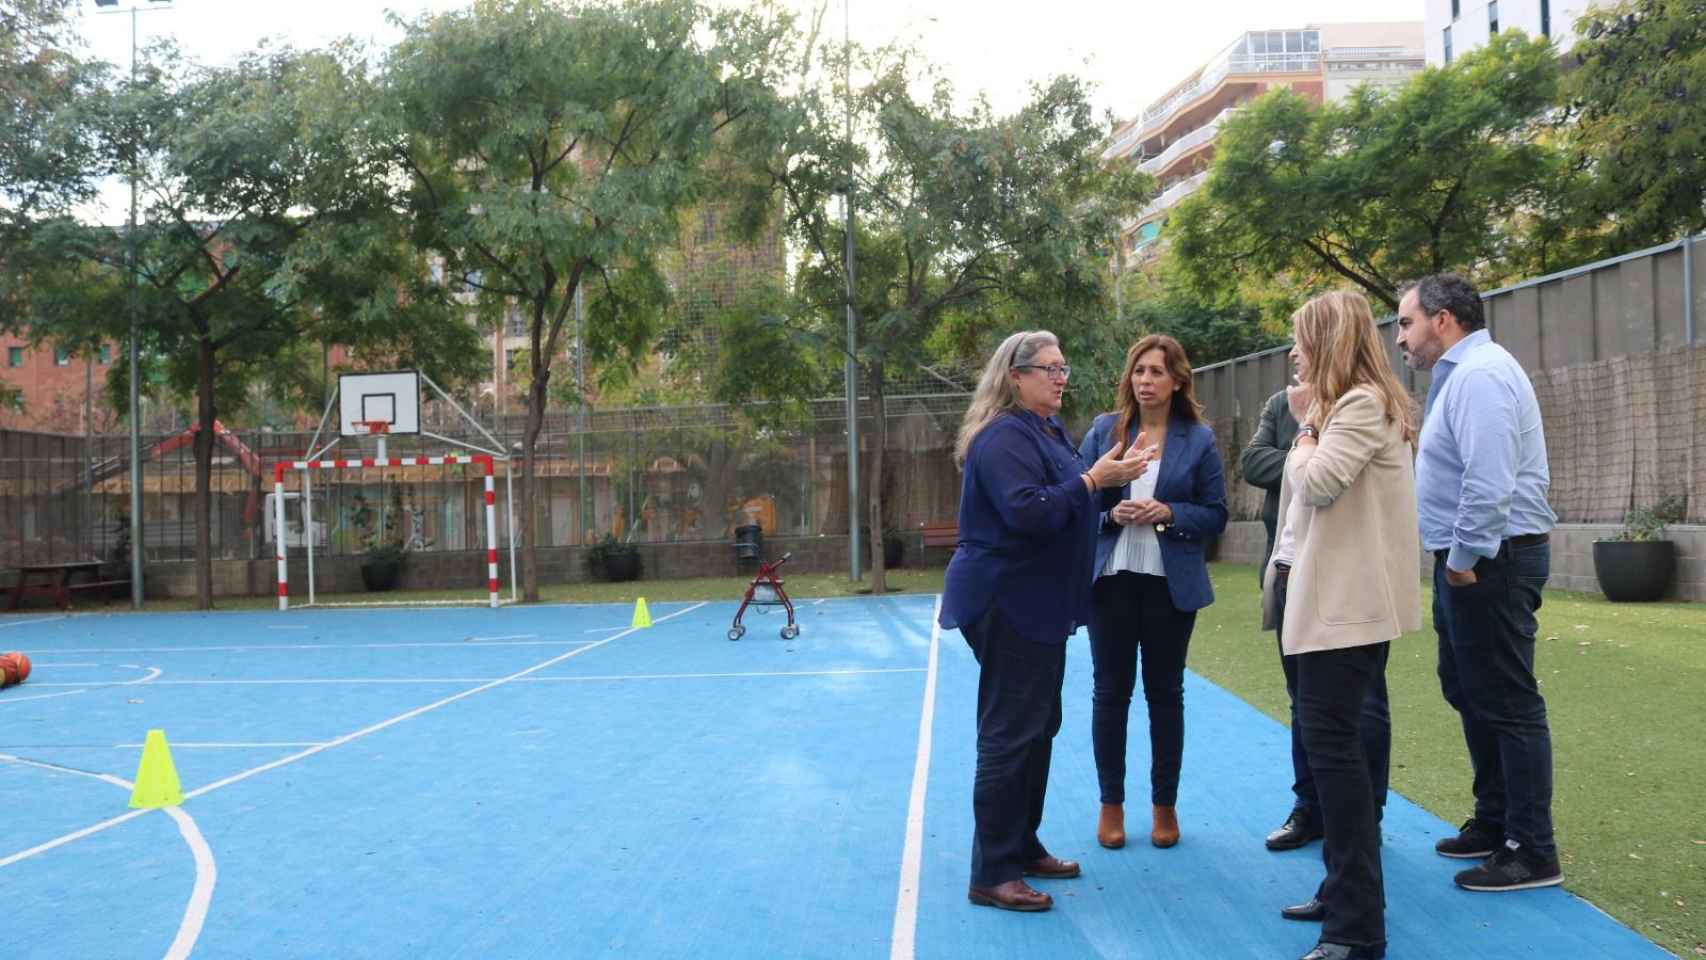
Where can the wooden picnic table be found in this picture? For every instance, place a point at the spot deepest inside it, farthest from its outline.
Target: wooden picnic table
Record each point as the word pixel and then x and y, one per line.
pixel 52 580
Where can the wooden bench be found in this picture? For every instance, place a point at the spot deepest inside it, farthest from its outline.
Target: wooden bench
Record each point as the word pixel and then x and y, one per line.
pixel 109 589
pixel 941 533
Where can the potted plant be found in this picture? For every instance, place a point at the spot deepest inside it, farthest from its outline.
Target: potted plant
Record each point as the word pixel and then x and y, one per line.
pixel 382 544
pixel 1637 564
pixel 613 560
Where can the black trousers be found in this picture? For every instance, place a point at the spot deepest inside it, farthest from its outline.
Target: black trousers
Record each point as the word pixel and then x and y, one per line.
pixel 1374 723
pixel 1132 613
pixel 1486 671
pixel 1018 714
pixel 1331 688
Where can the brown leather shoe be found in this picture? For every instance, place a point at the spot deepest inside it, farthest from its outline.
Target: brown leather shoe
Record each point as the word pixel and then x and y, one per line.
pixel 1110 830
pixel 1053 868
pixel 1012 895
pixel 1165 832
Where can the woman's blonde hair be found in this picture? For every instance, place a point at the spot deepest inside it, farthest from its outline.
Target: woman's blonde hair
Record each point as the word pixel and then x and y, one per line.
pixel 995 393
pixel 1184 400
pixel 1336 330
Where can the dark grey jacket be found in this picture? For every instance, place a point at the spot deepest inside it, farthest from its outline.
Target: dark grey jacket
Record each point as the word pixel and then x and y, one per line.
pixel 1262 463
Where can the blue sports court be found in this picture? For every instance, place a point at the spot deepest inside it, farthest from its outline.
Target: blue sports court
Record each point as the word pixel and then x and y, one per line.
pixel 549 782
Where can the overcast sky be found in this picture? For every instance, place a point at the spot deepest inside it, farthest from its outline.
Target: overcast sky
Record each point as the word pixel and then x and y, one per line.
pixel 1132 51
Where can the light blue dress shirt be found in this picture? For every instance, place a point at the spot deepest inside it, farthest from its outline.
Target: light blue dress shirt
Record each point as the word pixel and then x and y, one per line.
pixel 1481 473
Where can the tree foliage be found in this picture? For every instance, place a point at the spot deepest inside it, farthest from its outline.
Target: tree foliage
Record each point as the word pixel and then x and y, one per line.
pixel 959 216
pixel 1639 131
pixel 1383 187
pixel 550 150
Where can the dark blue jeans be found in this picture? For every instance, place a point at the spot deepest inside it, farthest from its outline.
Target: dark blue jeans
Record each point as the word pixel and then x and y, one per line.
pixel 1374 723
pixel 1130 612
pixel 1018 714
pixel 1332 688
pixel 1486 671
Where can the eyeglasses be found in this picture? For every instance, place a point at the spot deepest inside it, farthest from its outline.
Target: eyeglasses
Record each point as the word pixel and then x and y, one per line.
pixel 1055 371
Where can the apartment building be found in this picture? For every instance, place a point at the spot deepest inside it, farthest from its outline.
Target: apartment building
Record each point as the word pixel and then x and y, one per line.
pixel 1455 27
pixel 1172 139
pixel 55 384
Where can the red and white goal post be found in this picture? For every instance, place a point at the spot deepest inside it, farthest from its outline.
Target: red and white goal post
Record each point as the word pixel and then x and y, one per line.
pixel 308 467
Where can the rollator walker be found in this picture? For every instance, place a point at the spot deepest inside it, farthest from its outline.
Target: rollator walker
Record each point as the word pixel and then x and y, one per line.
pixel 765 590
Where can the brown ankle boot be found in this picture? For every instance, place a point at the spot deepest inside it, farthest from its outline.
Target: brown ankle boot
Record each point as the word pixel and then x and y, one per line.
pixel 1165 833
pixel 1110 832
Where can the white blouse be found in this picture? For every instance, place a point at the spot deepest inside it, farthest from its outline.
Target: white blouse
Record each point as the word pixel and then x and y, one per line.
pixel 1293 524
pixel 1137 550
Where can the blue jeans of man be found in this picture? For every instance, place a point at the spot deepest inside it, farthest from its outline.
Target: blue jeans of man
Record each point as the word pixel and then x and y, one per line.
pixel 1486 671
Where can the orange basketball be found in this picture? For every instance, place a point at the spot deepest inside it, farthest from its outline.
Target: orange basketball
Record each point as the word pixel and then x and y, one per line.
pixel 16 667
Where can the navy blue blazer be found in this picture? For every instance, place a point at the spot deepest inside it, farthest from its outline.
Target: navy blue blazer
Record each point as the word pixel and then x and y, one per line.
pixel 1027 528
pixel 1193 483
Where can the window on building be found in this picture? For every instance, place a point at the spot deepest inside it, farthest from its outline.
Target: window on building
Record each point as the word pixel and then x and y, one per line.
pixel 106 353
pixel 1545 18
pixel 61 357
pixel 14 356
pixel 1492 17
pixel 1447 32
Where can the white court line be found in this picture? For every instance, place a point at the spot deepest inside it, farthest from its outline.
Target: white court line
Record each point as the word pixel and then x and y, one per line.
pixel 326 646
pixel 382 681
pixel 25 623
pixel 358 681
pixel 901 941
pixel 44 696
pixel 604 629
pixel 513 636
pixel 41 848
pixel 227 746
pixel 206 871
pixel 201 895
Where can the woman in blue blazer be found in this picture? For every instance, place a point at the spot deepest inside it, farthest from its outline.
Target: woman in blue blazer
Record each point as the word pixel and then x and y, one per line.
pixel 1151 577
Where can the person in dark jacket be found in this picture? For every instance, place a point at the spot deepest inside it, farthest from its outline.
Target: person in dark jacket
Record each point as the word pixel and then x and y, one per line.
pixel 1263 461
pixel 1263 464
pixel 1151 576
pixel 1017 588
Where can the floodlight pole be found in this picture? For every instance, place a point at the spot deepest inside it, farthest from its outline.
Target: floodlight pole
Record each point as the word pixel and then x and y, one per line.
pixel 852 367
pixel 134 350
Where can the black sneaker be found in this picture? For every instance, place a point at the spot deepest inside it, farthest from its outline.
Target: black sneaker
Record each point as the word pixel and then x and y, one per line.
pixel 1477 839
pixel 1512 867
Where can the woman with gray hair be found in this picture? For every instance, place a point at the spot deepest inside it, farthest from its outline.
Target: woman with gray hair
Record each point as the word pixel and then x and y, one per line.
pixel 1017 588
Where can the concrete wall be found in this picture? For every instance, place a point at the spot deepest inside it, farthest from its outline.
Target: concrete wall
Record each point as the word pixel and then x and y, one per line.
pixel 1572 554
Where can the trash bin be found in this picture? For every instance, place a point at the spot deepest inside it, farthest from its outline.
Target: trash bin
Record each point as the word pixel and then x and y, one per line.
pixel 749 544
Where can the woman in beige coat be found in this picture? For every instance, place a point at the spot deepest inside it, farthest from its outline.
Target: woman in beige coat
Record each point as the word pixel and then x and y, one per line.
pixel 1350 575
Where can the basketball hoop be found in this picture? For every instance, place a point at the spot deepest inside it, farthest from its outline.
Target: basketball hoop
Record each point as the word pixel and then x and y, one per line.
pixel 373 427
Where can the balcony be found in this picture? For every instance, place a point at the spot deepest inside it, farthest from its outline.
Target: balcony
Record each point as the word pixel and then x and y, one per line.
pixel 1186 143
pixel 1173 195
pixel 1337 54
pixel 1155 115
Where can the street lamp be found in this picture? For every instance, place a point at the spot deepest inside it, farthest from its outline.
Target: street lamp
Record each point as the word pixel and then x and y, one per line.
pixel 135 334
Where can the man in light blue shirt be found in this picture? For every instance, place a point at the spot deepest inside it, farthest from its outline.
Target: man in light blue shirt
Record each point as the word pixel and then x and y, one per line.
pixel 1481 482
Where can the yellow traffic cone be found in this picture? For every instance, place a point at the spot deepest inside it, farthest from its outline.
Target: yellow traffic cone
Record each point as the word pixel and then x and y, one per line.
pixel 156 776
pixel 642 618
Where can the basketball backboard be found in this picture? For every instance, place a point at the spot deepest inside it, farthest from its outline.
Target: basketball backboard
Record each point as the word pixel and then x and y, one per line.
pixel 392 397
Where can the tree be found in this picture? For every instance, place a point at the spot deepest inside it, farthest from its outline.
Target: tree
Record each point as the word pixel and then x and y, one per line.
pixel 1384 187
pixel 49 147
pixel 549 152
pixel 1639 130
pixel 959 213
pixel 267 225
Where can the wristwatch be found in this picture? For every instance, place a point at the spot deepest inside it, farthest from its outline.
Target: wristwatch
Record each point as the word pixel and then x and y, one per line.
pixel 1308 430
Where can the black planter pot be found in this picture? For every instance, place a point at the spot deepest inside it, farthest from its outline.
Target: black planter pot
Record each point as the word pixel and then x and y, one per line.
pixel 1634 571
pixel 621 567
pixel 381 574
